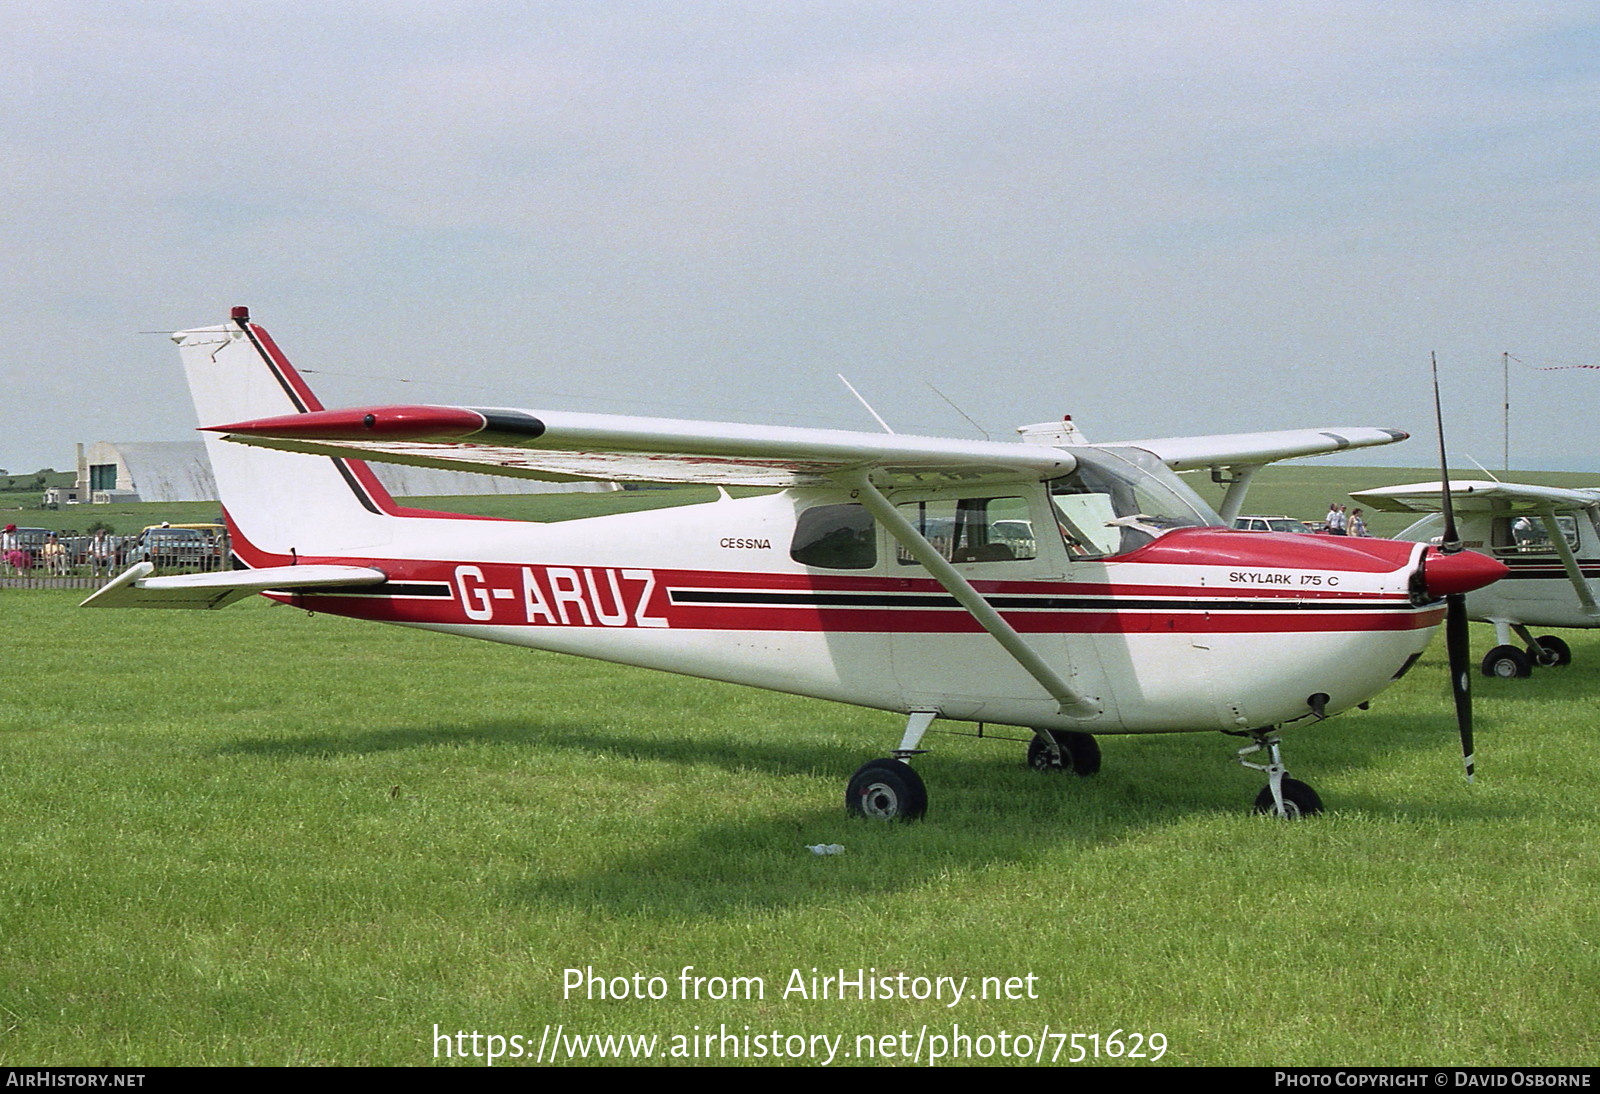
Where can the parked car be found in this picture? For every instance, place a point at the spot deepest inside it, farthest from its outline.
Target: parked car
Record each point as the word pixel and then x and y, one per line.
pixel 179 546
pixel 1271 524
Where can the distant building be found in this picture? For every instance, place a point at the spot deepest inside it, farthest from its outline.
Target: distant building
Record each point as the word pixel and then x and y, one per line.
pixel 145 471
pixel 180 471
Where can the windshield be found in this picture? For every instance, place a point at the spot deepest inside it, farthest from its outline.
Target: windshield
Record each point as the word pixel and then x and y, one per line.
pixel 1118 499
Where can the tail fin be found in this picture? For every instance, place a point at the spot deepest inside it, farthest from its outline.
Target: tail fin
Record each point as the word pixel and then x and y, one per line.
pixel 280 505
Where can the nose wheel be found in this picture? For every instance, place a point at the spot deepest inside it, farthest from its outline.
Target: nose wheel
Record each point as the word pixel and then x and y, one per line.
pixel 1283 796
pixel 1298 800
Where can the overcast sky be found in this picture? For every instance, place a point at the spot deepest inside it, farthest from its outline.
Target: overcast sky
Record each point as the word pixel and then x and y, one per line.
pixel 1161 218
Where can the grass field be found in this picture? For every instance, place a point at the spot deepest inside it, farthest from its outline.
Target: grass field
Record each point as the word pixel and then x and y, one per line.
pixel 260 837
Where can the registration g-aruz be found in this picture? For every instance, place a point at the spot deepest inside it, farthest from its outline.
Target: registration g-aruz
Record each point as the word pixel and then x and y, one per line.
pixel 1071 589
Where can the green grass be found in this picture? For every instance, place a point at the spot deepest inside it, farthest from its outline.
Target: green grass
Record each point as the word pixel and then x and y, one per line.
pixel 259 837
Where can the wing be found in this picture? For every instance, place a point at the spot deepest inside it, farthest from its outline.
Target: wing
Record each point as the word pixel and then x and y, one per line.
pixel 135 588
pixel 1474 496
pixel 1253 449
pixel 564 446
pixel 567 446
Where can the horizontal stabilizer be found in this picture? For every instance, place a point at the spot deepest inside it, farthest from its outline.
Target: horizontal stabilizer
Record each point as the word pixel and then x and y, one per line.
pixel 135 588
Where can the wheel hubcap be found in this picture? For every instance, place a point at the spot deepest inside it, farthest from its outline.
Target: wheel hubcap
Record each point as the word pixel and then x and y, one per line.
pixel 879 801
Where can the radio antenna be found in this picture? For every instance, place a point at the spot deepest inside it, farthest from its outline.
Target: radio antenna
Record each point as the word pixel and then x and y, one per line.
pixel 863 402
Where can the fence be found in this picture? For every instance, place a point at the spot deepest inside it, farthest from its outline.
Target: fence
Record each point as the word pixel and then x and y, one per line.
pixel 37 559
pixel 78 582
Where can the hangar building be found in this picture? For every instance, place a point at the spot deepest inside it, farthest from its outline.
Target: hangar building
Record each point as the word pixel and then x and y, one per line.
pixel 180 471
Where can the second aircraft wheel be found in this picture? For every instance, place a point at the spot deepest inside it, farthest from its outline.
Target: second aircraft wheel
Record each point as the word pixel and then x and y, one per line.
pixel 1507 662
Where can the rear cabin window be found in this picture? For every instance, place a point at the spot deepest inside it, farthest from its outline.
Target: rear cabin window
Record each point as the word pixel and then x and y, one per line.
pixel 835 537
pixel 973 529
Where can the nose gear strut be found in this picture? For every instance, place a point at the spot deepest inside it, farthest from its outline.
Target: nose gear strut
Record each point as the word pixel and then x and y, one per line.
pixel 1283 796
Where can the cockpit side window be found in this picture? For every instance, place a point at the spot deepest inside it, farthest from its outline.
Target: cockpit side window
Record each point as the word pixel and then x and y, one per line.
pixel 1117 500
pixel 835 537
pixel 1086 517
pixel 1527 535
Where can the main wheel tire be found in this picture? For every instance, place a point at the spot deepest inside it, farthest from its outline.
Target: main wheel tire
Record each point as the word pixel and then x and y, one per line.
pixel 1079 753
pixel 886 790
pixel 1549 651
pixel 1085 751
pixel 1507 663
pixel 1299 800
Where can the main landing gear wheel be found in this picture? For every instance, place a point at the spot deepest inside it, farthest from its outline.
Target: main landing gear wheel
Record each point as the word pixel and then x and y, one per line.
pixel 886 790
pixel 1299 800
pixel 1548 651
pixel 1508 662
pixel 1080 753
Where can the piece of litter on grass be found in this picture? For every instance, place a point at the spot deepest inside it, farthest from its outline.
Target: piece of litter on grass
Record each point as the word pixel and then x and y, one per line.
pixel 825 848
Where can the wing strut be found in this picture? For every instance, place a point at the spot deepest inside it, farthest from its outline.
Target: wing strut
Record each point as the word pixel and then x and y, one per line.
pixel 1071 703
pixel 1238 482
pixel 1558 540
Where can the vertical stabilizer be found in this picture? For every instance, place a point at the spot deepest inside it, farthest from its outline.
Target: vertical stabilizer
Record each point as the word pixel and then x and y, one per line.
pixel 280 505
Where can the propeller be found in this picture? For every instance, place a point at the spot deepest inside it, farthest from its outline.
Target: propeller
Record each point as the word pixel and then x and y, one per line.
pixel 1455 617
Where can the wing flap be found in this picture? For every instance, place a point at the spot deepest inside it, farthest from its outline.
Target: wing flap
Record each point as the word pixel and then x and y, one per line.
pixel 137 588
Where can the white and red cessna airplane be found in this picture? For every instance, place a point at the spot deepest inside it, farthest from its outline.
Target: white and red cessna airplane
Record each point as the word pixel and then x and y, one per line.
pixel 1068 588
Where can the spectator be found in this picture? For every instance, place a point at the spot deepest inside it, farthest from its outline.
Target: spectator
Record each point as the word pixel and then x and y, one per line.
pixel 1358 525
pixel 12 554
pixel 54 556
pixel 101 551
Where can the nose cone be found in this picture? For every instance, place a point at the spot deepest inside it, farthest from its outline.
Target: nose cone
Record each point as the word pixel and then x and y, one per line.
pixel 1462 572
